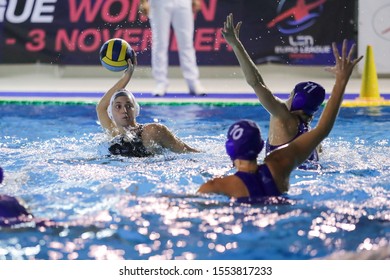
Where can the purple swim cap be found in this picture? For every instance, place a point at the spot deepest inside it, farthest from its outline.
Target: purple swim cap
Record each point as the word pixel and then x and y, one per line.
pixel 308 96
pixel 244 140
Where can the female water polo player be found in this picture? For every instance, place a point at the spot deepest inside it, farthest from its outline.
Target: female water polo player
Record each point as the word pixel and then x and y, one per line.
pixel 244 143
pixel 288 119
pixel 117 111
pixel 11 210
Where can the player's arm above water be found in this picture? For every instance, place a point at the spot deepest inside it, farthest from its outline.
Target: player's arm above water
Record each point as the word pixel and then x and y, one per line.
pixel 104 102
pixel 160 134
pixel 252 75
pixel 282 161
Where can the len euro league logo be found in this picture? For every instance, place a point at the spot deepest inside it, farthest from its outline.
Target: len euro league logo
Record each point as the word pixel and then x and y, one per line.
pixel 292 18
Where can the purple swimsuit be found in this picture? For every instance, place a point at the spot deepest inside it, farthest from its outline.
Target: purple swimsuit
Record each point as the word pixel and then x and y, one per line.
pixel 259 184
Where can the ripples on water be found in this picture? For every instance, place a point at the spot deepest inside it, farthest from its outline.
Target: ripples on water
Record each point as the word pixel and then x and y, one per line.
pixel 128 208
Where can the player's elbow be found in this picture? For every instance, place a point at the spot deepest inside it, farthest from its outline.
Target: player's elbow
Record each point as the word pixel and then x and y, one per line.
pixel 253 82
pixel 101 107
pixel 208 187
pixel 202 189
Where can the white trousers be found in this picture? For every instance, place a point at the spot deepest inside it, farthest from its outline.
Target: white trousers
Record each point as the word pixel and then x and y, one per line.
pixel 178 13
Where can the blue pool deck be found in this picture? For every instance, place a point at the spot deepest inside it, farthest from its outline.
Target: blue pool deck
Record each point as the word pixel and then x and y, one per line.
pixel 39 82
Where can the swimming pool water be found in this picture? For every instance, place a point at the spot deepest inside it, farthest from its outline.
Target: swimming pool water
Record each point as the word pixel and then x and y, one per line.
pixel 55 158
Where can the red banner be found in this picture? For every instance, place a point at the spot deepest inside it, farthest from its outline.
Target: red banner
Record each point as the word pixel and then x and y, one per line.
pixel 72 31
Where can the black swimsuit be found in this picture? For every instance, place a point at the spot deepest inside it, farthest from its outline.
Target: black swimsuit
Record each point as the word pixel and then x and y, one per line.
pixel 129 146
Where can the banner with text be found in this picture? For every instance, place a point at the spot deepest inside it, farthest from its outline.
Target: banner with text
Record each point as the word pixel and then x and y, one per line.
pixel 71 32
